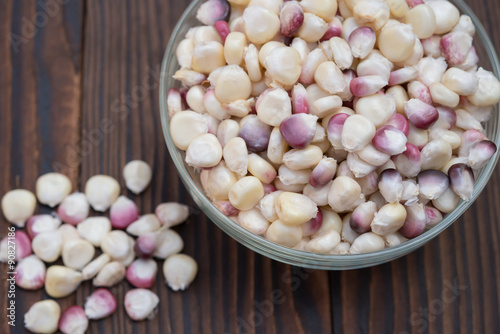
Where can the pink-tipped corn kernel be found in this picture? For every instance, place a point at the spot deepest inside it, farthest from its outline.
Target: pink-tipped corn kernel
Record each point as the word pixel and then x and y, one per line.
pixel 140 304
pixel 212 11
pixel 298 130
pixel 417 90
pixel 171 213
pixel 415 222
pixel 481 153
pixel 367 85
pixel 403 75
pixel 30 273
pixel 41 223
pixel 362 40
pixel 323 172
pixel 145 245
pixel 462 180
pixel 362 217
pixel 433 216
pixel 334 29
pixel 291 18
pixel 390 184
pixel 334 129
pixel 313 225
pixel 74 321
pixel 223 29
pixel 22 246
pixel 408 162
pixel 73 209
pixel 469 139
pixel 100 304
pixel 255 133
pixel 142 273
pixel 390 140
pixel 432 183
pixel 399 122
pixel 300 103
pixel 455 46
pixel 421 114
pixel 123 212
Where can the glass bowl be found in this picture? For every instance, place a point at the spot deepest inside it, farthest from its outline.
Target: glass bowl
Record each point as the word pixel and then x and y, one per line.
pixel 190 176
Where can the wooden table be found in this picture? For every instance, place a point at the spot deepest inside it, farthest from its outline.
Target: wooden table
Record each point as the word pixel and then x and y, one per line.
pixel 79 94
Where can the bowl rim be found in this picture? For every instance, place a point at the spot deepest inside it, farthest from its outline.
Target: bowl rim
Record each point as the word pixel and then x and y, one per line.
pixel 300 258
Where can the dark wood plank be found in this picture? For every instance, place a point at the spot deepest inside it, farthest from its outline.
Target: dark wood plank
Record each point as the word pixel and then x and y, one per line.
pixel 40 65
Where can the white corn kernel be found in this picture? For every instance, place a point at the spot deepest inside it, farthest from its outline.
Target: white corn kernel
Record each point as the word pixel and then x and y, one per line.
pixel 357 132
pixel 261 169
pixel 236 156
pixel 373 14
pixel 447 202
pixel 43 317
pixel 219 182
pixel 396 42
pixel 68 232
pixel 394 239
pixel 330 78
pixel 367 242
pixel 461 82
pixel 77 253
pixel 303 158
pixel 431 70
pixel 189 78
pixel 422 19
pixel 234 48
pixel 137 175
pixel 447 15
pixel 341 248
pixel 283 234
pixel 310 64
pixel 361 41
pixel 61 281
pixel 207 56
pixel 267 207
pixel 391 185
pixel 441 94
pixel 348 234
pixel 284 72
pixel 251 57
pixel 261 24
pixel 324 243
pixel 116 244
pixel 290 177
pixel 373 156
pixel 145 224
pixel 227 130
pixel 345 194
pixel 94 229
pixel 246 193
pixel 204 151
pixel 273 106
pixel 342 54
pixel 168 242
pixel 369 183
pixel 435 154
pixel 313 28
pixel 47 246
pixel 294 209
pixel 254 221
pixel 93 267
pixel 400 97
pixel 18 205
pixel 317 195
pixel 140 303
pixel 232 84
pixel 377 108
pixel 101 192
pixel 184 53
pixel 359 167
pixel 110 274
pixel 179 271
pixel 488 91
pixel 389 219
pixel 52 188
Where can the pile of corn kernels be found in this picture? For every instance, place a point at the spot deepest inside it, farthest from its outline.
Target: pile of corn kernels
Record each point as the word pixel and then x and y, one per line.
pixel 337 127
pixel 72 235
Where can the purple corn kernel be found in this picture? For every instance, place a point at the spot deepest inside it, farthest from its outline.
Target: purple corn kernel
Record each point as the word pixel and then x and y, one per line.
pixel 334 129
pixel 291 18
pixel 462 180
pixel 255 133
pixel 298 130
pixel 481 153
pixel 362 217
pixel 415 223
pixel 432 183
pixel 421 114
pixel 399 122
pixel 408 162
pixel 323 172
pixel 313 225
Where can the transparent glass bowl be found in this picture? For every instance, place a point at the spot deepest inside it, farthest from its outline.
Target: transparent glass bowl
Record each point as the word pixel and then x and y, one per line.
pixel 191 179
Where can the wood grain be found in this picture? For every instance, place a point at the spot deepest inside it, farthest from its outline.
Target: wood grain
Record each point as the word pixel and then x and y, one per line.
pixel 80 95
